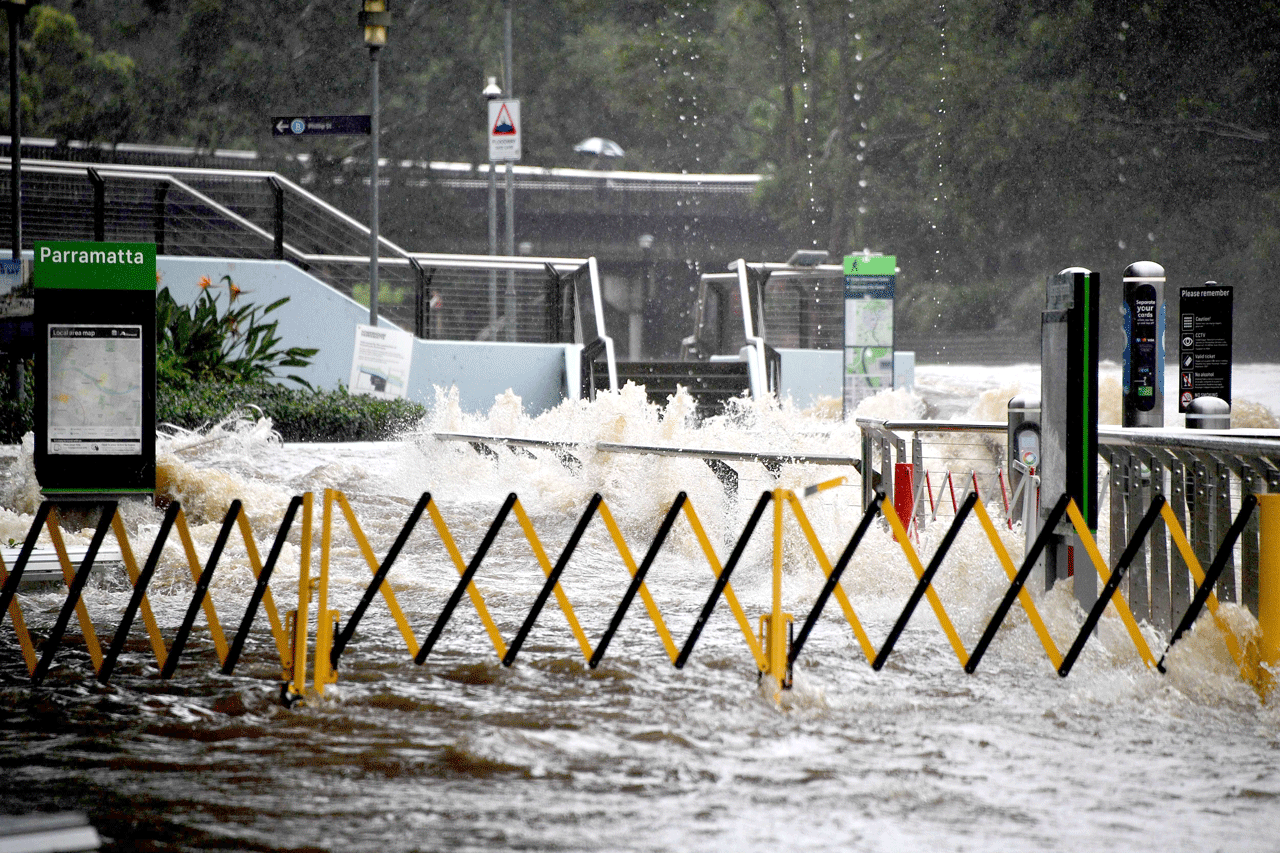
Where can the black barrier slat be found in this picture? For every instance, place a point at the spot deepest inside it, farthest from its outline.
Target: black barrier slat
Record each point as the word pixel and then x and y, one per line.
pixel 663 530
pixel 260 589
pixel 725 473
pixel 73 594
pixel 438 628
pixel 1220 561
pixel 345 635
pixel 873 509
pixel 721 581
pixel 926 578
pixel 202 589
pixel 552 579
pixel 28 546
pixel 1113 583
pixel 1019 581
pixel 139 592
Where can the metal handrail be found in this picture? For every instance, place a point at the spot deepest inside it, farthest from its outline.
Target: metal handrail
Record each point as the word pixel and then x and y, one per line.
pixel 396 257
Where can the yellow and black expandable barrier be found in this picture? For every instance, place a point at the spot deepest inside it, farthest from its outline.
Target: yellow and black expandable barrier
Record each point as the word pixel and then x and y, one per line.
pixel 167 656
pixel 772 645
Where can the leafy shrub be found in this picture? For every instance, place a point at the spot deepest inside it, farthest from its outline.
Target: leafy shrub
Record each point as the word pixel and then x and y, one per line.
pixel 197 344
pixel 297 414
pixel 17 418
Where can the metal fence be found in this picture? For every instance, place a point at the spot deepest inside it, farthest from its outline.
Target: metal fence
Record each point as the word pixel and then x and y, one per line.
pixel 1205 478
pixel 251 214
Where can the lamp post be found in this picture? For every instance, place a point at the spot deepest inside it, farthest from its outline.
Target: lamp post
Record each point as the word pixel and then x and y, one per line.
pixel 511 197
pixel 375 18
pixel 15 11
pixel 639 293
pixel 511 192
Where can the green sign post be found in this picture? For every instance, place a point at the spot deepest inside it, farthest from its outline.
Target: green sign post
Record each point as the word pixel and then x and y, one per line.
pixel 95 382
pixel 869 282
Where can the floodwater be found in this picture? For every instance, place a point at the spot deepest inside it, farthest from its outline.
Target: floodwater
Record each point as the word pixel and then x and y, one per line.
pixel 464 754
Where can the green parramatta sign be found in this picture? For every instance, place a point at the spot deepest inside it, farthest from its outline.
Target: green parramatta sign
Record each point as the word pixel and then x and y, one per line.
pixel 95 368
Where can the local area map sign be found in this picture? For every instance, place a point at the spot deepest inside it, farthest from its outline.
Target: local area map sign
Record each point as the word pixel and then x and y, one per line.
pixel 95 390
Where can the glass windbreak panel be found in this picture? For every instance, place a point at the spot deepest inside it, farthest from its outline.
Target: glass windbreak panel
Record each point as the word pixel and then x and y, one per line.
pixel 804 312
pixel 720 330
pixel 585 305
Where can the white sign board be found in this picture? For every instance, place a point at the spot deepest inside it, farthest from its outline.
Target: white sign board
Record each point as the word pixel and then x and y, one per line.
pixel 380 363
pixel 504 130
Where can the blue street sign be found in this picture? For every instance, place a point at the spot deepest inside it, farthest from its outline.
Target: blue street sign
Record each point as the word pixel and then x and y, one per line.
pixel 321 126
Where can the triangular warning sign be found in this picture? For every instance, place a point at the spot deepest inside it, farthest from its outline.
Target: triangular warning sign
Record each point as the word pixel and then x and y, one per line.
pixel 504 126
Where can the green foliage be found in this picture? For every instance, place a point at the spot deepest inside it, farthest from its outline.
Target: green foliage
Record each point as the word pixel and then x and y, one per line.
pixel 297 414
pixel 70 88
pixel 17 417
pixel 987 141
pixel 199 344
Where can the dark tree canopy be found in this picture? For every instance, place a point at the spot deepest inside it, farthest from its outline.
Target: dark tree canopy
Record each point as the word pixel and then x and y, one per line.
pixel 986 143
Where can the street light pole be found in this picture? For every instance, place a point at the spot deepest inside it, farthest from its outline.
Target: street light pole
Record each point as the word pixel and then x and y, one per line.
pixel 374 18
pixel 511 189
pixel 15 11
pixel 510 87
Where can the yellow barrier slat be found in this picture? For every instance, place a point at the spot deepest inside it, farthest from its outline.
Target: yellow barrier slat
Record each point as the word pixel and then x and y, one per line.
pixel 825 564
pixel 371 560
pixel 268 602
pixel 900 534
pixel 1104 573
pixel 823 486
pixel 322 673
pixel 148 617
pixel 296 674
pixel 1179 538
pixel 776 645
pixel 1024 597
pixel 69 573
pixel 531 537
pixel 193 563
pixel 744 624
pixel 654 614
pixel 477 600
pixel 20 625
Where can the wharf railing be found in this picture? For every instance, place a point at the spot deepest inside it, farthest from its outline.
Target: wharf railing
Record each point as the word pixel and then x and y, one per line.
pixel 1202 475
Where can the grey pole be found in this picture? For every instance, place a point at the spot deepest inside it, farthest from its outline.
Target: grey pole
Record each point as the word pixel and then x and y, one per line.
pixel 373 194
pixel 15 14
pixel 511 189
pixel 492 92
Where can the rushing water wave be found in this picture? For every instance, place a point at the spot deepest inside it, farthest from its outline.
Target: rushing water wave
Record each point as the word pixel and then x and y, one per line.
pixel 464 754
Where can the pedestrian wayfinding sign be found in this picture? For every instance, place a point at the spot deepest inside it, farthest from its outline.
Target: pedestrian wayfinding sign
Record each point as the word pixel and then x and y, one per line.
pixel 95 371
pixel 869 282
pixel 504 130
